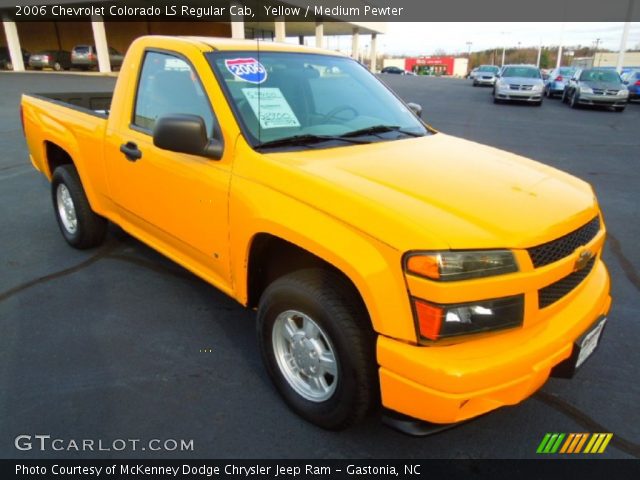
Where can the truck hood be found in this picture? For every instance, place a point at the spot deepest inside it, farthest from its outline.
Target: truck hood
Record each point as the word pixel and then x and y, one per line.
pixel 439 191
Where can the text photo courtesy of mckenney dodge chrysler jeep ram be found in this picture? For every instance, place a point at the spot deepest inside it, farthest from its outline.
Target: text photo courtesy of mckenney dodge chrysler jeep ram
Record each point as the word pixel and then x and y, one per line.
pixel 390 265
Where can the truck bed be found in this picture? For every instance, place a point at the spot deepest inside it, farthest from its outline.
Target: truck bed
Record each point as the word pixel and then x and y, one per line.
pixel 95 103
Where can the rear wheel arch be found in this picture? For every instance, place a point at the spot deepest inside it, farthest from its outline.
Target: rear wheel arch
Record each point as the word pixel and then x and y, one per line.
pixel 56 156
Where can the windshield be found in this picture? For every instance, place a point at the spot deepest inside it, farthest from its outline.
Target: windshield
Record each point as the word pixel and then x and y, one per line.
pixel 280 95
pixel 599 76
pixel 522 72
pixel 566 72
pixel 489 68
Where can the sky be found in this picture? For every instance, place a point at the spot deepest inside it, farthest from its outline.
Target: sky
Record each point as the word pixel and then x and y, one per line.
pixel 427 38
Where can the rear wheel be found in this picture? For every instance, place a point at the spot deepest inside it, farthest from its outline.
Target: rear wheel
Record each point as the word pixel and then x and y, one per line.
pixel 318 347
pixel 80 226
pixel 8 66
pixel 57 67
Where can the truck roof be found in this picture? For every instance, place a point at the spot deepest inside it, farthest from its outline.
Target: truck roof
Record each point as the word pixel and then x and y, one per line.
pixel 230 44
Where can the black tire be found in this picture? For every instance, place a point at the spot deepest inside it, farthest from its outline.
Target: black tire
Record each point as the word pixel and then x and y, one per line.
pixel 564 96
pixel 538 104
pixel 619 109
pixel 8 66
pixel 475 84
pixel 496 100
pixel 327 299
pixel 573 100
pixel 91 228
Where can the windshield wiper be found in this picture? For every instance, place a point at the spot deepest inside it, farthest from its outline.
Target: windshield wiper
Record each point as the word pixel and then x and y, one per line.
pixel 375 129
pixel 306 139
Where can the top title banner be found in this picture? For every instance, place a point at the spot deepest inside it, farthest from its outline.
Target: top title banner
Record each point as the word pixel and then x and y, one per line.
pixel 324 10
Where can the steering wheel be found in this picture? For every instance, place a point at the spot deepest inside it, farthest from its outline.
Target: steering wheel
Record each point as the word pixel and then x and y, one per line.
pixel 339 109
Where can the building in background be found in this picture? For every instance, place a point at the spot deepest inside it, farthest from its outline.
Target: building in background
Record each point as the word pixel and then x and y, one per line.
pixel 608 60
pixel 431 65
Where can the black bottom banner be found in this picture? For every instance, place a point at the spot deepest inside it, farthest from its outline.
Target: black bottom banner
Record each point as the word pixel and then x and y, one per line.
pixel 320 469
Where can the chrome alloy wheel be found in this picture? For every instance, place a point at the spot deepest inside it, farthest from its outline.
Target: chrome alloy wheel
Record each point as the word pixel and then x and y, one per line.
pixel 66 209
pixel 305 356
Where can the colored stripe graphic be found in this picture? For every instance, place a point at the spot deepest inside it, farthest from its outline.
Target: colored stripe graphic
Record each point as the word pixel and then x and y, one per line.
pixel 543 443
pixel 550 443
pixel 573 443
pixel 581 442
pixel 567 443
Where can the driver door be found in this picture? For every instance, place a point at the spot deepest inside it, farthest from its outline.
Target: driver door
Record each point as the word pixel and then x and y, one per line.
pixel 175 202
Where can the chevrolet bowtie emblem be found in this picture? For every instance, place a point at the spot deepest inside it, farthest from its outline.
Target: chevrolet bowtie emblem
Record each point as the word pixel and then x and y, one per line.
pixel 583 259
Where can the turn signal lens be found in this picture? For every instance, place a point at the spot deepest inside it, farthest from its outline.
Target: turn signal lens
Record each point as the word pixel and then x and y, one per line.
pixel 440 321
pixel 424 265
pixel 429 319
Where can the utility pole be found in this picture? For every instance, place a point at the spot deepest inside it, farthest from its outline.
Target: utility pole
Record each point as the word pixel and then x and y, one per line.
pixel 503 46
pixel 595 53
pixel 559 60
pixel 623 40
pixel 469 49
pixel 539 55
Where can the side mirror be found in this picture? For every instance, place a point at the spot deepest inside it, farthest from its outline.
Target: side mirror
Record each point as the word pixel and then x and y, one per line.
pixel 186 134
pixel 416 108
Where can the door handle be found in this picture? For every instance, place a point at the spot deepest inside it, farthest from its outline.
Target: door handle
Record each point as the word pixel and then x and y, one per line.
pixel 131 151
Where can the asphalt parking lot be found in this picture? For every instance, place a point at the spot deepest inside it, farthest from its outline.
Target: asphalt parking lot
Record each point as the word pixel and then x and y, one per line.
pixel 120 343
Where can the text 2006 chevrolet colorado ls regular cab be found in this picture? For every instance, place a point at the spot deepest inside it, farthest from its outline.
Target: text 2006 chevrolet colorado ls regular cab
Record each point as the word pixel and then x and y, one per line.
pixel 389 263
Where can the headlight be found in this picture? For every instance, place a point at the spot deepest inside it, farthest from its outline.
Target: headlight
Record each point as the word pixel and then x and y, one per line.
pixel 460 265
pixel 501 84
pixel 537 88
pixel 586 90
pixel 435 322
pixel 623 93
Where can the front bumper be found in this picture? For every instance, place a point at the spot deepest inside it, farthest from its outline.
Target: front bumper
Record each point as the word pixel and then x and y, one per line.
pixel 610 101
pixel 485 81
pixel 448 384
pixel 519 95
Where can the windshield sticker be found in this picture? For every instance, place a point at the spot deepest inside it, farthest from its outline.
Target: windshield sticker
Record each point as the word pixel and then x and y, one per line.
pixel 247 69
pixel 271 108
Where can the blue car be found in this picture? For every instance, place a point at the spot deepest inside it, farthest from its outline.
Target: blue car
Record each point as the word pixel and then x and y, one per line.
pixel 632 80
pixel 556 80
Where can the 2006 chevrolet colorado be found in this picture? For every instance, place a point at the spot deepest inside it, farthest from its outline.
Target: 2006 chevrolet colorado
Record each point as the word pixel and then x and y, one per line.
pixel 388 263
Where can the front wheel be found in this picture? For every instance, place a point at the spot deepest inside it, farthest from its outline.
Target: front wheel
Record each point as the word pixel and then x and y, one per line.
pixel 81 227
pixel 318 347
pixel 573 101
pixel 619 109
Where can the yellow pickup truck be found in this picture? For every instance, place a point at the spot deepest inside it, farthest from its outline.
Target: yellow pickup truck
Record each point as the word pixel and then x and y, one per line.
pixel 390 265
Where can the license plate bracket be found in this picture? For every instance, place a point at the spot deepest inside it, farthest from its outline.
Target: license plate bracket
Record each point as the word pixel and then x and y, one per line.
pixel 583 348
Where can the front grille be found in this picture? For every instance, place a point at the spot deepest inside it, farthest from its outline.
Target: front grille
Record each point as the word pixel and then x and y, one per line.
pixel 554 292
pixel 561 247
pixel 521 87
pixel 601 91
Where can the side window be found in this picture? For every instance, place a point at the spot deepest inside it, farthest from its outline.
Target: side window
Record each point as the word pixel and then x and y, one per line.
pixel 167 86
